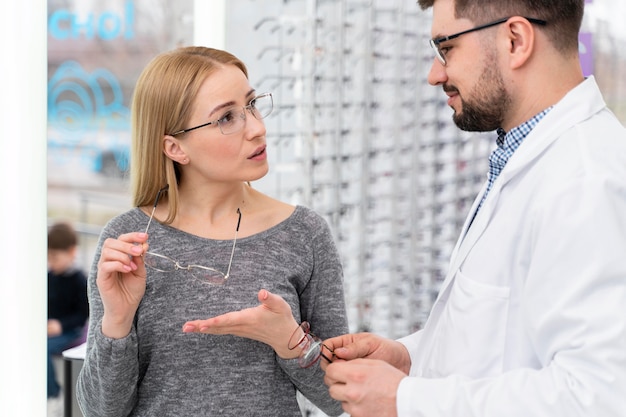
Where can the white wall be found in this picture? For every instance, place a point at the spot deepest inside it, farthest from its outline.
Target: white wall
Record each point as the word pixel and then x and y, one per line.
pixel 23 292
pixel 210 21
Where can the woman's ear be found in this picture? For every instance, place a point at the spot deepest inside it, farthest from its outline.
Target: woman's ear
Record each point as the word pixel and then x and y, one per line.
pixel 172 148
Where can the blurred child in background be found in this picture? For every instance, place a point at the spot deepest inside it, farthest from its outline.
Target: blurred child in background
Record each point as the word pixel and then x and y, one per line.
pixel 67 297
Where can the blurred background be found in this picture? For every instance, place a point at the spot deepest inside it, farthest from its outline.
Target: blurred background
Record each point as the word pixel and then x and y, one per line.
pixel 357 133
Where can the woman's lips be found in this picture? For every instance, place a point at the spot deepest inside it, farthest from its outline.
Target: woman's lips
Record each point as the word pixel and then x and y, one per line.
pixel 259 153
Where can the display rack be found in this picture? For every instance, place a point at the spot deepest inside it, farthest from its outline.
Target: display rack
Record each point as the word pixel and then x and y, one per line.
pixel 360 137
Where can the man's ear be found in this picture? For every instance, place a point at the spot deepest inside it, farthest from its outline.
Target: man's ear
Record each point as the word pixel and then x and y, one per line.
pixel 172 148
pixel 520 41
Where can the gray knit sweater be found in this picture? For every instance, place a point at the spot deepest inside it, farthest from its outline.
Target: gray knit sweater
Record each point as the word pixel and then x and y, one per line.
pixel 157 370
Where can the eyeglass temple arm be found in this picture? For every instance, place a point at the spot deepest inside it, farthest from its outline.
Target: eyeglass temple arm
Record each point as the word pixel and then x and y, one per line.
pixel 456 35
pixel 485 26
pixel 324 356
pixel 238 220
pixel 156 201
pixel 232 252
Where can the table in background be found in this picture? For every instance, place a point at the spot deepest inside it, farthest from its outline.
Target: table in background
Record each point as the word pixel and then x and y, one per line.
pixel 70 356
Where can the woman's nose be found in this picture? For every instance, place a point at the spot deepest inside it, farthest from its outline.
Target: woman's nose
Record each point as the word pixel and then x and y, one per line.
pixel 254 127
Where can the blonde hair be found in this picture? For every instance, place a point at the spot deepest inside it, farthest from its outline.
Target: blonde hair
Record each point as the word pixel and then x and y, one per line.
pixel 162 102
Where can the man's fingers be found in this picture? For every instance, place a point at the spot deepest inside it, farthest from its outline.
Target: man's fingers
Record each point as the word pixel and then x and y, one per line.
pixel 347 347
pixel 338 372
pixel 341 379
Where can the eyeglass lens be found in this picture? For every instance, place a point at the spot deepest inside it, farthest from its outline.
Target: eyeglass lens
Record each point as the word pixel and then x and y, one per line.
pixel 438 52
pixel 234 120
pixel 310 346
pixel 311 354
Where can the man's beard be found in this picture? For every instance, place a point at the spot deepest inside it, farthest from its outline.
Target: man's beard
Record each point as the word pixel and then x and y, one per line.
pixel 485 111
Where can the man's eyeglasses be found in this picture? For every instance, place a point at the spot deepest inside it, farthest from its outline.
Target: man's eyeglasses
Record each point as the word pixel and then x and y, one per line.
pixel 440 53
pixel 162 263
pixel 310 345
pixel 234 119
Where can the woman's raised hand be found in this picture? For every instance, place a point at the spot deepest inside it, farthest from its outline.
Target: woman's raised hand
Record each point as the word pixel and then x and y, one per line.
pixel 121 281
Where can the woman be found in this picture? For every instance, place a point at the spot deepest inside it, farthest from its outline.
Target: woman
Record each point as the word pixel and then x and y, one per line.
pixel 201 243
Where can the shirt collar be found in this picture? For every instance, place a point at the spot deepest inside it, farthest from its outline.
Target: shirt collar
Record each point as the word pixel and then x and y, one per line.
pixel 513 138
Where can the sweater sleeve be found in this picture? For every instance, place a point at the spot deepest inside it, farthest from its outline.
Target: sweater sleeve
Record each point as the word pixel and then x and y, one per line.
pixel 107 383
pixel 322 304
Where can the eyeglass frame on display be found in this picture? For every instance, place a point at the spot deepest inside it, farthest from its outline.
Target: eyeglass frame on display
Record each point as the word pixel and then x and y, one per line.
pixel 188 268
pixel 236 118
pixel 435 42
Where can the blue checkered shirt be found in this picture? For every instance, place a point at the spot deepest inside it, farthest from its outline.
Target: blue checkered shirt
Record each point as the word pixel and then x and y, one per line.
pixel 507 144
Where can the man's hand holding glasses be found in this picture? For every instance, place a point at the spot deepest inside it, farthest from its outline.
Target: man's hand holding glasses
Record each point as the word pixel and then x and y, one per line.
pixel 366 374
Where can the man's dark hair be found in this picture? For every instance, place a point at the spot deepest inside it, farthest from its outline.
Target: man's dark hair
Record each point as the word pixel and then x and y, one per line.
pixel 61 236
pixel 564 17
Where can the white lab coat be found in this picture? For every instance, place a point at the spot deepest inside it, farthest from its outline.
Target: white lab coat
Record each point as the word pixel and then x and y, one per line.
pixel 531 319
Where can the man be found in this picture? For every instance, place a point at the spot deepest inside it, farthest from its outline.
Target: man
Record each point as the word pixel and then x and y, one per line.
pixel 530 320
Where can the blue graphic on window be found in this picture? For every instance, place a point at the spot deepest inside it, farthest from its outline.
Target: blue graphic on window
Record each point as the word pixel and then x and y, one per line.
pixel 65 24
pixel 86 114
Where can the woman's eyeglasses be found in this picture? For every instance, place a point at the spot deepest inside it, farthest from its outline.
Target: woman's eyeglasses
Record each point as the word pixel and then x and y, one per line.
pixel 310 345
pixel 234 119
pixel 162 263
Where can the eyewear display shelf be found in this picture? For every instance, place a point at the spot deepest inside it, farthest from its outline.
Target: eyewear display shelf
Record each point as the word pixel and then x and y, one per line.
pixel 358 135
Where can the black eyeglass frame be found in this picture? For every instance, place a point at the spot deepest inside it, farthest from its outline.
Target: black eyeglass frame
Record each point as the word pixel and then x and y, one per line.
pixel 434 43
pixel 250 106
